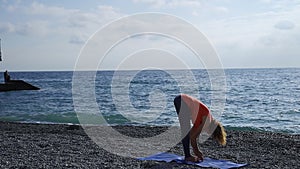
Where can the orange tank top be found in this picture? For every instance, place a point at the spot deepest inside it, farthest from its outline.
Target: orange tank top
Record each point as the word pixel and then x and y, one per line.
pixel 197 109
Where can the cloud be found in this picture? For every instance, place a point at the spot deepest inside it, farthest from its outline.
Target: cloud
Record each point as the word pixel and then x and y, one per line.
pixel 152 3
pixel 84 24
pixel 39 19
pixel 186 3
pixel 35 8
pixel 170 3
pixel 257 39
pixel 284 25
pixel 195 13
pixel 36 28
pixel 220 9
pixel 54 30
pixel 240 35
pixel 6 27
pixel 81 19
pixel 108 12
pixel 266 1
pixel 62 16
pixel 41 9
pixel 76 40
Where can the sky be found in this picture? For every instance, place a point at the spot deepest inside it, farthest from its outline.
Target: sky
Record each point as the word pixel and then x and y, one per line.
pixel 49 35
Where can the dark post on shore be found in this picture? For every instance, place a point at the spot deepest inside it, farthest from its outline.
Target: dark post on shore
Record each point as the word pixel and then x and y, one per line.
pixel 0 51
pixel 6 77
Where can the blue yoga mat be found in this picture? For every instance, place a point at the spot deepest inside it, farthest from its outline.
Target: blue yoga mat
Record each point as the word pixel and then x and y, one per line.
pixel 207 162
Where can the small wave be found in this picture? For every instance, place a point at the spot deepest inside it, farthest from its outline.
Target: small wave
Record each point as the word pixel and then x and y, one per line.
pixel 57 118
pixel 67 118
pixel 10 118
pixel 295 111
pixel 242 128
pixel 261 129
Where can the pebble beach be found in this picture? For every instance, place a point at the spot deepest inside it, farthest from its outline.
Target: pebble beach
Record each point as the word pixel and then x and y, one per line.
pixel 25 145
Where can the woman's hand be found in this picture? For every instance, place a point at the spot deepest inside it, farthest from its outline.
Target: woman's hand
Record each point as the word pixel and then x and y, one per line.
pixel 199 154
pixel 192 159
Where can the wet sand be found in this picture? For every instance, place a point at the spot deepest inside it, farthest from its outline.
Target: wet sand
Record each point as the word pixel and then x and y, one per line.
pixel 64 146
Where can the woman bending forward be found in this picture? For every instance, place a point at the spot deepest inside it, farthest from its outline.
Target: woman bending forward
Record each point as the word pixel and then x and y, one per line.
pixel 190 109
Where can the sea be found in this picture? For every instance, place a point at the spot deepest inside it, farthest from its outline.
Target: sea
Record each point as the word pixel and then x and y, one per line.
pixel 254 99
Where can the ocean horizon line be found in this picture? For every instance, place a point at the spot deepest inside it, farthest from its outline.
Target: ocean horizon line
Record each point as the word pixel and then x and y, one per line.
pixel 128 70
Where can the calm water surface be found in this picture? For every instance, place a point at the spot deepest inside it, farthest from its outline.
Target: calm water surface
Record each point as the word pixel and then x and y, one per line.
pixel 256 99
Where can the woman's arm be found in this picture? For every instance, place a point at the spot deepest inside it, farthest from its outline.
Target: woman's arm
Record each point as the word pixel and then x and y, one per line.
pixel 194 134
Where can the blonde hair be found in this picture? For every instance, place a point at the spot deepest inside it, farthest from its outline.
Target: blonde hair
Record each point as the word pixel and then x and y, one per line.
pixel 219 134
